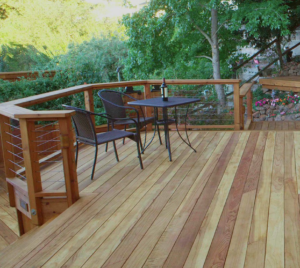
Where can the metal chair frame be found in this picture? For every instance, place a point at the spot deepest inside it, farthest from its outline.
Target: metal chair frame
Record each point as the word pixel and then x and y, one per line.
pixel 94 139
pixel 124 108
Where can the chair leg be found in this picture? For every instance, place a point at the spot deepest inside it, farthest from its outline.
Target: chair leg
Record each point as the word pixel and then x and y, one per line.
pixel 140 142
pixel 115 149
pixel 166 138
pixel 145 135
pixel 76 153
pixel 95 160
pixel 106 145
pixel 124 138
pixel 139 154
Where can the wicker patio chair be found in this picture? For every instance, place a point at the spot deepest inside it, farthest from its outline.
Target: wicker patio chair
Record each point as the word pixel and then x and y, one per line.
pixel 86 133
pixel 114 106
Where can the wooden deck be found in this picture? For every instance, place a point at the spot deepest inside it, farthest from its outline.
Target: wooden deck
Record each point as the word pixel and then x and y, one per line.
pixel 9 231
pixel 275 125
pixel 234 203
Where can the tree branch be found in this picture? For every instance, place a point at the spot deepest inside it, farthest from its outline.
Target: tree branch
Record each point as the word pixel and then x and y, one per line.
pixel 220 27
pixel 201 31
pixel 204 33
pixel 205 57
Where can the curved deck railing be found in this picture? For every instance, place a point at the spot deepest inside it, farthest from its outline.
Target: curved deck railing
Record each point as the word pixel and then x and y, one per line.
pixel 24 177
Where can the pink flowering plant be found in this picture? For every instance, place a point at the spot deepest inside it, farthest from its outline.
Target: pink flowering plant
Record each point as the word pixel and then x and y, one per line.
pixel 279 101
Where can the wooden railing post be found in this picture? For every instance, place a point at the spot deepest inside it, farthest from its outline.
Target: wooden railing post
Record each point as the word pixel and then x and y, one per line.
pixel 249 105
pixel 8 158
pixel 147 95
pixel 237 109
pixel 32 169
pixel 89 102
pixel 242 112
pixel 67 147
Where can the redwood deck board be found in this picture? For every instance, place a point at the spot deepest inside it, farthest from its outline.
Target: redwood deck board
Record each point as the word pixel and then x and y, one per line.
pixel 220 244
pixel 186 238
pixel 278 125
pixel 233 203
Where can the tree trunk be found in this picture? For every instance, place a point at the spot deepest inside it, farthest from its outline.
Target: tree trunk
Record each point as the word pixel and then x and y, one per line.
pixel 216 57
pixel 279 53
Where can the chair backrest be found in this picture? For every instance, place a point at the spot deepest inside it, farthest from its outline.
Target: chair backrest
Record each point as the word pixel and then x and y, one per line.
pixel 84 127
pixel 112 102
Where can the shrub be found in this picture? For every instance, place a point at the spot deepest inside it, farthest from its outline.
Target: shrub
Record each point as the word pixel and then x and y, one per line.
pixel 90 62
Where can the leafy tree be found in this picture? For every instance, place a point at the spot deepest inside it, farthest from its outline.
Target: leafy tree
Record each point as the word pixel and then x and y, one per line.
pixel 16 57
pixel 50 26
pixel 93 61
pixel 268 20
pixel 168 30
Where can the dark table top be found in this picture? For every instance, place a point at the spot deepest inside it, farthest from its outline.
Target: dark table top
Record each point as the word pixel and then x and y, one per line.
pixel 158 102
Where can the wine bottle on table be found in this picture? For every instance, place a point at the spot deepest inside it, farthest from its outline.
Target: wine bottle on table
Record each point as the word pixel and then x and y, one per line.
pixel 164 90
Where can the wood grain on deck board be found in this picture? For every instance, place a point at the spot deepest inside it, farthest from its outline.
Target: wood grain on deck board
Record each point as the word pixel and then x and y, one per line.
pixel 233 203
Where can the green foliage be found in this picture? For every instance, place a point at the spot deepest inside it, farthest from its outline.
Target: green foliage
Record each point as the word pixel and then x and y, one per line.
pixel 261 15
pixel 163 37
pixel 90 62
pixel 16 57
pixel 266 20
pixel 43 29
pixel 95 61
pixel 168 34
pixel 258 94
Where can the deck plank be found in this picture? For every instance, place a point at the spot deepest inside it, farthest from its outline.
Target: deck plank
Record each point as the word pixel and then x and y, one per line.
pixel 292 125
pixel 255 256
pixel 29 245
pixel 297 158
pixel 129 212
pixel 272 125
pixel 3 243
pixel 265 125
pixel 200 248
pixel 147 244
pixel 172 182
pixel 278 125
pixel 275 234
pixel 220 244
pixel 291 204
pixel 86 224
pixel 285 125
pixel 234 203
pixel 185 240
pixel 143 230
pixel 239 241
pixel 258 125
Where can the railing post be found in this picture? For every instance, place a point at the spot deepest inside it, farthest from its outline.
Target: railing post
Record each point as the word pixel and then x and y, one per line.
pixel 242 112
pixel 32 169
pixel 8 158
pixel 249 105
pixel 89 102
pixel 67 147
pixel 236 101
pixel 147 95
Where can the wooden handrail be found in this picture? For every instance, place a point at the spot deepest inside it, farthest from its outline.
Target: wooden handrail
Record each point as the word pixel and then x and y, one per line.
pixel 13 76
pixel 12 108
pixel 245 88
pixel 44 115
